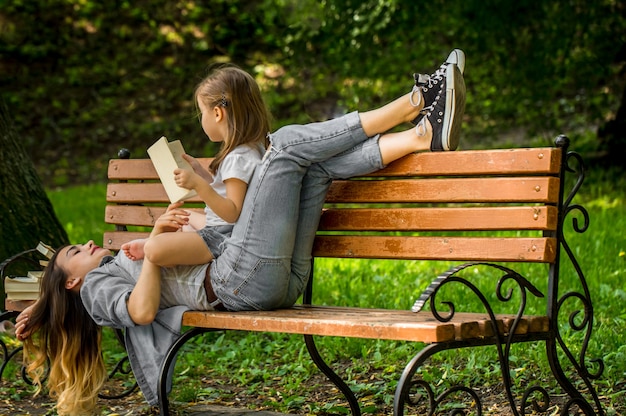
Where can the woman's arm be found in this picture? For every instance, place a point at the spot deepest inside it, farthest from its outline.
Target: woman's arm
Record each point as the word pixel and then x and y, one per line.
pixel 21 322
pixel 143 302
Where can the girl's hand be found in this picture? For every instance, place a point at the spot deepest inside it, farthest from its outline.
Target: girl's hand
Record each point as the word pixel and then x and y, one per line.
pixel 173 219
pixel 197 168
pixel 186 178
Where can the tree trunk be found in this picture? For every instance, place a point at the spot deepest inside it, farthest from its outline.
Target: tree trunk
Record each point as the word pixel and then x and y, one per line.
pixel 26 214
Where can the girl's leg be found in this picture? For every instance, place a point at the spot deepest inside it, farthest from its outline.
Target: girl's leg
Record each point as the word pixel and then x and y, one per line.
pixel 254 270
pixel 134 249
pixel 373 155
pixel 169 249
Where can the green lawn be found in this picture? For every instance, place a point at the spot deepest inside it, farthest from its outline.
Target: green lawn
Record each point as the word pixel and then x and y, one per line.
pixel 275 370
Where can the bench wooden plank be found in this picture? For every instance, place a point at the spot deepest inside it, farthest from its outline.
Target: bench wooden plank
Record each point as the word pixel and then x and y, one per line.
pixel 144 216
pixel 467 190
pixel 477 162
pixel 540 250
pixel 444 218
pixel 113 240
pixel 437 248
pixel 470 162
pixel 388 219
pixel 448 190
pixel 362 323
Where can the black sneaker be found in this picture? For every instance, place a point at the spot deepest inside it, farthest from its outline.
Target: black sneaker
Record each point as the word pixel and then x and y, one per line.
pixel 430 85
pixel 446 114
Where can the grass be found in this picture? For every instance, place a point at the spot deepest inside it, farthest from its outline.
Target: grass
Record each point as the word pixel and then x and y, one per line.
pixel 273 370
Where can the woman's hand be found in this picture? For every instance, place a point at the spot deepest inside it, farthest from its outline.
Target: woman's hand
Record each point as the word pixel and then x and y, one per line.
pixel 172 220
pixel 22 331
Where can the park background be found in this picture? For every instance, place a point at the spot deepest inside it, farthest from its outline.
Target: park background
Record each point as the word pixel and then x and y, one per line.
pixel 81 79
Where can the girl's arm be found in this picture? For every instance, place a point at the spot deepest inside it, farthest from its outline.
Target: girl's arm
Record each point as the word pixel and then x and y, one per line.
pixel 143 302
pixel 227 208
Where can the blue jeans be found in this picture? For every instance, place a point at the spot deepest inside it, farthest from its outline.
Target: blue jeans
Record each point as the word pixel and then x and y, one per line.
pixel 266 261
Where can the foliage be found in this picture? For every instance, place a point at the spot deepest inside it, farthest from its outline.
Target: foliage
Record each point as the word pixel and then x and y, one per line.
pixel 85 78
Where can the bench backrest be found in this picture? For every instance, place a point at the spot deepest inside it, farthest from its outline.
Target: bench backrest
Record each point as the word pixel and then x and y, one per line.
pixel 439 206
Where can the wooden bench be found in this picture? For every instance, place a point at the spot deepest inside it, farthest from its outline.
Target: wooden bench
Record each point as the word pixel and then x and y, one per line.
pixel 482 209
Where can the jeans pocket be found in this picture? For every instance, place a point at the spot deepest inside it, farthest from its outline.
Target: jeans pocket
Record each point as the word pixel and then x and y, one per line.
pixel 266 287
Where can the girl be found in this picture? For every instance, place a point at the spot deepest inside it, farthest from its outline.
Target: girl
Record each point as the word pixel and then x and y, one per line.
pixel 264 264
pixel 232 112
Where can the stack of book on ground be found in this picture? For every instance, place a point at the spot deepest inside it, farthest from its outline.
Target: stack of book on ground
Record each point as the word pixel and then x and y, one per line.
pixel 23 287
pixel 26 288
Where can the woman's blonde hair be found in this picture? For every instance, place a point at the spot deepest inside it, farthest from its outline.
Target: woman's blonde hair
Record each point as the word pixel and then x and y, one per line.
pixel 238 93
pixel 68 341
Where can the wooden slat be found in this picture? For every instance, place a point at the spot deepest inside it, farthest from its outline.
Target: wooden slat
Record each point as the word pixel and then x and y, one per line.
pixel 470 190
pixel 540 250
pixel 469 162
pixel 360 323
pixel 330 321
pixel 436 248
pixel 444 218
pixel 137 169
pixel 144 216
pixel 387 219
pixel 113 240
pixel 477 162
pixel 150 193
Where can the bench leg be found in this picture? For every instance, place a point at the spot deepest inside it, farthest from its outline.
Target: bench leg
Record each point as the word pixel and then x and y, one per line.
pixel 167 363
pixel 405 384
pixel 355 409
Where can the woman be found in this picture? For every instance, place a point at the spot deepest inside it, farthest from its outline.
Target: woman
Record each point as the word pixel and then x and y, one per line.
pixel 262 265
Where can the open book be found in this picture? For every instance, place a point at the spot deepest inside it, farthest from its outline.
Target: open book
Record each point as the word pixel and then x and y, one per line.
pixel 167 156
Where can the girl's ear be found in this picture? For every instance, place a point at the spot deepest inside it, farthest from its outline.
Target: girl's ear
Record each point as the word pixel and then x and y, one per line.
pixel 218 112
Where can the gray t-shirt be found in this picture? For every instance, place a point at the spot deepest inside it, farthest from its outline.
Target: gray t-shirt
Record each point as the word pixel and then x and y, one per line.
pixel 105 293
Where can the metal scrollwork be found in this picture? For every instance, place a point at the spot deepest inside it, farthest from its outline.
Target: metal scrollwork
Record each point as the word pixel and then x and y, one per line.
pixel 502 341
pixel 416 399
pixel 581 318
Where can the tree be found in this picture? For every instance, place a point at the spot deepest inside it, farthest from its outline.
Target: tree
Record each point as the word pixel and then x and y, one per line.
pixel 26 213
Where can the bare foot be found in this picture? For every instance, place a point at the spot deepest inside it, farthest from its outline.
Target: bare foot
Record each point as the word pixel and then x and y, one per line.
pixel 134 249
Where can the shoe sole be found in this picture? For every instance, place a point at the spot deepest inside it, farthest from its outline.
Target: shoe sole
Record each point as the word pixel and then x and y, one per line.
pixel 457 57
pixel 455 108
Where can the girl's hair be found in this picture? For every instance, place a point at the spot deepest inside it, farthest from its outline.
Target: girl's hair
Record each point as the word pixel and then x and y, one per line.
pixel 238 93
pixel 68 341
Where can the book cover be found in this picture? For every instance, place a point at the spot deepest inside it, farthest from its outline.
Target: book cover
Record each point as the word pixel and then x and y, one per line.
pixel 45 249
pixel 21 287
pixel 167 156
pixel 22 295
pixel 35 274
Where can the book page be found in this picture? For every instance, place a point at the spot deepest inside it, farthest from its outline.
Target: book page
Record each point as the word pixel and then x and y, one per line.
pixel 166 157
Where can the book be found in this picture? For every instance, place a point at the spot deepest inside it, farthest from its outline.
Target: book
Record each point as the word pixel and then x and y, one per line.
pixel 35 274
pixel 21 287
pixel 45 249
pixel 22 295
pixel 167 156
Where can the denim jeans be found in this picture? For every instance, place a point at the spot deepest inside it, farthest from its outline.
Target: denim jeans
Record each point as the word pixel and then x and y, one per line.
pixel 266 261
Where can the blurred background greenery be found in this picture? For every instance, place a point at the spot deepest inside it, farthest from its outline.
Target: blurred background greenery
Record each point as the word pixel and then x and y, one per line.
pixel 83 78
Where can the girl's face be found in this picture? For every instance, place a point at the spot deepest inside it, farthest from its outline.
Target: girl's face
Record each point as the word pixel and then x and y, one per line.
pixel 78 260
pixel 210 120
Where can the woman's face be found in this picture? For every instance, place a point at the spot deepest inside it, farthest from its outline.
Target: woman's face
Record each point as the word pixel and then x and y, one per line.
pixel 78 260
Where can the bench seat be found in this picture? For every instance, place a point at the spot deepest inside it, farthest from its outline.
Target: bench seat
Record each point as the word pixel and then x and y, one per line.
pixel 400 325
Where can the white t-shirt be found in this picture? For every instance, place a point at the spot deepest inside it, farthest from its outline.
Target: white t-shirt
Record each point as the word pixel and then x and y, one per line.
pixel 238 164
